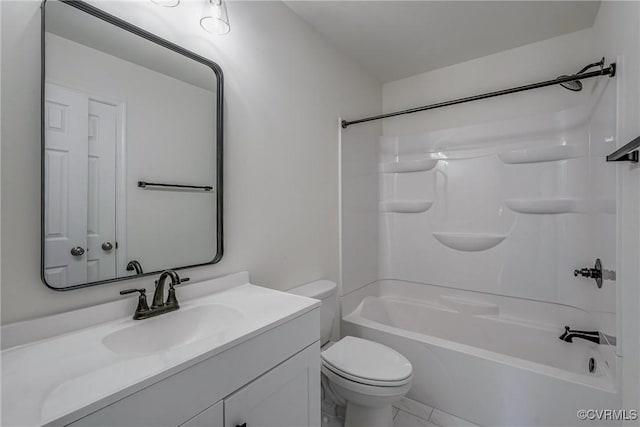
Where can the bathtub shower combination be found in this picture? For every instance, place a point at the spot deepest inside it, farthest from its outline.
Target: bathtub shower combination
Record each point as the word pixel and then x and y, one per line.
pixel 480 229
pixel 486 358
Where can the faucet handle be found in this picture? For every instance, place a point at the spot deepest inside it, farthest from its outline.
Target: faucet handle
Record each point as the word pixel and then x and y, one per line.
pixel 171 296
pixel 143 307
pixel 130 291
pixel 180 281
pixel 172 301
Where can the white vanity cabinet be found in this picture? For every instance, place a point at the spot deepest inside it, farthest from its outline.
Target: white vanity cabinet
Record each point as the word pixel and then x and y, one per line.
pixel 286 396
pixel 271 380
pixel 210 417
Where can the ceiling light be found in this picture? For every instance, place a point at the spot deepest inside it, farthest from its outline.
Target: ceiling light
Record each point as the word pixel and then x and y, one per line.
pixel 215 19
pixel 167 3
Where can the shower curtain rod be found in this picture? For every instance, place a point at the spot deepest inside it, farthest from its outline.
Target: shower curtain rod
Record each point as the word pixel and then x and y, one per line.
pixel 608 71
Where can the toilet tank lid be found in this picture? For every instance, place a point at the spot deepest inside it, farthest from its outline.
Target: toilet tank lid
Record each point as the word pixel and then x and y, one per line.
pixel 319 289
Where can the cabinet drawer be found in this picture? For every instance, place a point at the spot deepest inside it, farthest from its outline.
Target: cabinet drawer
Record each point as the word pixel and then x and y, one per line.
pixel 286 396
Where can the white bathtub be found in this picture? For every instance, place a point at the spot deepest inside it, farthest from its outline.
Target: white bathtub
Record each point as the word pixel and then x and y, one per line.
pixel 482 364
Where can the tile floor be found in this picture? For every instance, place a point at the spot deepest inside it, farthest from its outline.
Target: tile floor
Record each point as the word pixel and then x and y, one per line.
pixel 409 413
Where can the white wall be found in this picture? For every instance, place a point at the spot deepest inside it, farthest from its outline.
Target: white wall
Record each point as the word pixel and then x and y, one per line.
pixel 617 33
pixel 359 227
pixel 1 133
pixel 170 137
pixel 527 64
pixel 285 88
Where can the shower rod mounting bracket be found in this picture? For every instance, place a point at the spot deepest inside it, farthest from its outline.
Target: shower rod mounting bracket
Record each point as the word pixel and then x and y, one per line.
pixel 626 153
pixel 602 71
pixel 629 157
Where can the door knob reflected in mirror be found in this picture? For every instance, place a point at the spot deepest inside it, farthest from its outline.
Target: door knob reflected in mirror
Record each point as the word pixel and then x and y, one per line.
pixel 107 246
pixel 77 251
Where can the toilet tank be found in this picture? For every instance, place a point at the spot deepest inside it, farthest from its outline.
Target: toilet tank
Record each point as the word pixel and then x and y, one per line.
pixel 326 291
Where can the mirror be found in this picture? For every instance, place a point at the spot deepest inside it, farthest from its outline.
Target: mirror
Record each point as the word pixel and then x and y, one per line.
pixel 131 151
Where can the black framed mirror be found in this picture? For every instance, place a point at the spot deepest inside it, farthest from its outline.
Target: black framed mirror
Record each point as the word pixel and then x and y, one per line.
pixel 132 140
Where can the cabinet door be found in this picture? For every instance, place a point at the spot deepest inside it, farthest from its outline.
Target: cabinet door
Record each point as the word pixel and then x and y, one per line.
pixel 286 396
pixel 213 416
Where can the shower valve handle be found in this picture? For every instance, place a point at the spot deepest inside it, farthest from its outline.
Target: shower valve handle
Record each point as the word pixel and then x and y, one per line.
pixel 591 273
pixel 587 272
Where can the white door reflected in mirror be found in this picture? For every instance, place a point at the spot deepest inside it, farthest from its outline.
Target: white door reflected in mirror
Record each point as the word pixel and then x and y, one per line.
pixel 81 140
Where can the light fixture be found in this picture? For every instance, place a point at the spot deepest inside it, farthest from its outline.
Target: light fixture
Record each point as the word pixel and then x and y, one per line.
pixel 167 3
pixel 215 19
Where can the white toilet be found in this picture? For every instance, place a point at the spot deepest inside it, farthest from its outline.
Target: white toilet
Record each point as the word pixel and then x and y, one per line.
pixel 369 377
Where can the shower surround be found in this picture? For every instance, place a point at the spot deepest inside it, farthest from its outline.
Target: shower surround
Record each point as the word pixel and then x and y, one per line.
pixel 480 229
pixel 510 208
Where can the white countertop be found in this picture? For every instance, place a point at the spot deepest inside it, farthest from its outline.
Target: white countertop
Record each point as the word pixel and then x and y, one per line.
pixel 50 379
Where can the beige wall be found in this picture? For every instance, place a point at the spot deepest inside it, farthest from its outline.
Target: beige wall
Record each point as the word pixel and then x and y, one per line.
pixel 285 88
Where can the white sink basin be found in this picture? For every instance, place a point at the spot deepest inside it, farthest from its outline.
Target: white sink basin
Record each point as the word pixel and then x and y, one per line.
pixel 172 329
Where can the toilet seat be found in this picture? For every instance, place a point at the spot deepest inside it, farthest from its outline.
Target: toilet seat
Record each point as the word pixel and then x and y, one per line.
pixel 369 390
pixel 364 381
pixel 367 362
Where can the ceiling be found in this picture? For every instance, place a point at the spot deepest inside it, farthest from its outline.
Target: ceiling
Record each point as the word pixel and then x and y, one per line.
pixel 397 39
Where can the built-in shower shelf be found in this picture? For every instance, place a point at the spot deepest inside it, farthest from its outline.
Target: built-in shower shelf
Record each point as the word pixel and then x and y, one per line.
pixel 543 206
pixel 539 154
pixel 560 206
pixel 405 206
pixel 418 165
pixel 469 242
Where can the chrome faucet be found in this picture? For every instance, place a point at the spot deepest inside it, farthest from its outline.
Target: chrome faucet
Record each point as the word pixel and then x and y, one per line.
pixel 593 336
pixel 158 306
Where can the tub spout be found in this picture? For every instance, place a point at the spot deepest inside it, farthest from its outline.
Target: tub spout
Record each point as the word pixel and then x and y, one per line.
pixel 569 335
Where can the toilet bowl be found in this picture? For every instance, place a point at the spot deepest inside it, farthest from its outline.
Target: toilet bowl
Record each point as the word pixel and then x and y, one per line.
pixel 370 377
pixel 364 376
